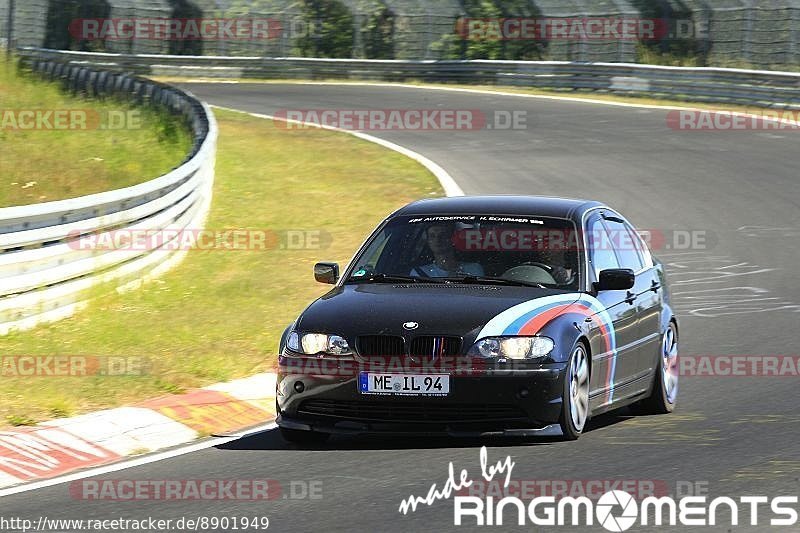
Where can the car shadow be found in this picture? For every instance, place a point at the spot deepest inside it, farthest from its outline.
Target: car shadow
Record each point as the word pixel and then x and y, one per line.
pixel 271 440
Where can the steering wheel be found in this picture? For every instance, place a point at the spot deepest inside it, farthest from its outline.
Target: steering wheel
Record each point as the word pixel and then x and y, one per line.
pixel 556 272
pixel 548 268
pixel 531 272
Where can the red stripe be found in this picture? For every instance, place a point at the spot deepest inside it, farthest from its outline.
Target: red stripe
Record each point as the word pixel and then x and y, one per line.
pixel 535 324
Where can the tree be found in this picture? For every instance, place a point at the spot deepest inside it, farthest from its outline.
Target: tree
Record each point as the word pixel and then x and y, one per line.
pixel 331 26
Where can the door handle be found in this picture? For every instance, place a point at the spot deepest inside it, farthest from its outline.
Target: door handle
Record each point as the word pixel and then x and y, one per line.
pixel 630 297
pixel 655 286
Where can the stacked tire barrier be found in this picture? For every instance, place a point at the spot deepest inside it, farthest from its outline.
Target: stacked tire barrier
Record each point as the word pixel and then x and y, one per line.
pixel 715 85
pixel 48 263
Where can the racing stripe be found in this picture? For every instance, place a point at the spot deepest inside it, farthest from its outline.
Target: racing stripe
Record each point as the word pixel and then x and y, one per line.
pixel 509 321
pixel 516 326
pixel 529 318
pixel 535 324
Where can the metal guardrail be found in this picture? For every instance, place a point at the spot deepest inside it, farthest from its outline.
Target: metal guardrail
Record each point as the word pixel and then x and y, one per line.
pixel 48 263
pixel 715 85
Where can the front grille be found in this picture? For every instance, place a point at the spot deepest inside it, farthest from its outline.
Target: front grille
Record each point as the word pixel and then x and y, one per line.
pixel 415 412
pixel 380 345
pixel 436 347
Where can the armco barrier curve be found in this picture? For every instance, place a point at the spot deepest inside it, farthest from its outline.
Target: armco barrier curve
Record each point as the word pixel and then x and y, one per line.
pixel 46 268
pixel 713 85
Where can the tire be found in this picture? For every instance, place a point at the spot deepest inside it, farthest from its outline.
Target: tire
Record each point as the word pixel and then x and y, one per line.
pixel 575 398
pixel 665 381
pixel 297 436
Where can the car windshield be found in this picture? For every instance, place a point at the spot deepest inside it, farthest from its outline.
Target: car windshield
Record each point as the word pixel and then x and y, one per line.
pixel 512 250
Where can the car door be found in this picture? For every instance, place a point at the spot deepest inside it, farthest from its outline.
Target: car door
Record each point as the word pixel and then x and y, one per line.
pixel 633 253
pixel 610 369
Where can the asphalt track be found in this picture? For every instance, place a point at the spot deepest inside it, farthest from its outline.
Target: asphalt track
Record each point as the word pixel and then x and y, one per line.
pixel 740 436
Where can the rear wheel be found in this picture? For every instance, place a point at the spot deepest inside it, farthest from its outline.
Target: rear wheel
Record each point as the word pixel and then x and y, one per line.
pixel 575 401
pixel 297 436
pixel 665 385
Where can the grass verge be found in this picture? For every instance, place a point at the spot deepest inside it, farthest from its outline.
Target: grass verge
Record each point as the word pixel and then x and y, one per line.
pixel 219 314
pixel 42 165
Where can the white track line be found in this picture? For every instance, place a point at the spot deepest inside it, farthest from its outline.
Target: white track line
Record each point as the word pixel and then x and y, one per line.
pixel 451 188
pixel 133 463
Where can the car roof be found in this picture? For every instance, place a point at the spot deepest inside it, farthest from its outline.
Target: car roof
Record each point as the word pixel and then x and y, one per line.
pixel 542 206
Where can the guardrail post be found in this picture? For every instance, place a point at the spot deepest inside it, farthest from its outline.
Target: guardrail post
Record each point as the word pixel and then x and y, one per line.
pixel 747 38
pixel 358 44
pixel 794 31
pixel 10 30
pixel 583 44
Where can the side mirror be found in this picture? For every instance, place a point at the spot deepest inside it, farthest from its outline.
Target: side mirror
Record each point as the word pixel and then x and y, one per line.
pixel 616 279
pixel 326 273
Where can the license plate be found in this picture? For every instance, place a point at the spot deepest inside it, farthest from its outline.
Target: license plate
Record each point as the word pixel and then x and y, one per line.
pixel 404 384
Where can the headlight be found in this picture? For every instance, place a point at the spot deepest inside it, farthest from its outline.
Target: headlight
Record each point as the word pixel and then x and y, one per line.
pixel 316 343
pixel 512 347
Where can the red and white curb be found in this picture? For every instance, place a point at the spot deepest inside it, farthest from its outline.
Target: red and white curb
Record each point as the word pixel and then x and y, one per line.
pixel 61 446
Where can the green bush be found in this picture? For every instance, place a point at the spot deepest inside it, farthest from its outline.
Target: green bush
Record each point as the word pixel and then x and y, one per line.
pixel 456 46
pixel 331 24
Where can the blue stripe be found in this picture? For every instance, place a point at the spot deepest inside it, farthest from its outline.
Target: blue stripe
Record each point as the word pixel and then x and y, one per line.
pixel 606 318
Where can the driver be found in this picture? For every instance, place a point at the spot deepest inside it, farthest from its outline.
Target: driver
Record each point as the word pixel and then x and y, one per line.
pixel 445 263
pixel 553 255
pixel 554 259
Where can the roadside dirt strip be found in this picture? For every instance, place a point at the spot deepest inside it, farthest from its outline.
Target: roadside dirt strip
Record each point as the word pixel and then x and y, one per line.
pixel 65 445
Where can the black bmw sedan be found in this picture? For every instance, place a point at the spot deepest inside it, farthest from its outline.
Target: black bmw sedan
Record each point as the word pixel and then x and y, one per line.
pixel 498 315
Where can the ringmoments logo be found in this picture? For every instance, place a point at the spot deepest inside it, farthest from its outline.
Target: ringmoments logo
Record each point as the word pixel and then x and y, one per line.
pixel 605 510
pixel 615 510
pixel 618 511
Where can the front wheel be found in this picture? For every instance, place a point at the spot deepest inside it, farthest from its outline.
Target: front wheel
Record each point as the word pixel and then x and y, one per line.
pixel 665 386
pixel 575 400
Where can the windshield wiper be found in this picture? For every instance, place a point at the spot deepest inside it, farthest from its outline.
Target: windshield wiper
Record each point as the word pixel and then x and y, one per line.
pixel 499 281
pixel 393 278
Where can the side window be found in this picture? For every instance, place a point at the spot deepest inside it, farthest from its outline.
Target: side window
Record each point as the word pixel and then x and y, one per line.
pixel 626 245
pixel 601 247
pixel 641 246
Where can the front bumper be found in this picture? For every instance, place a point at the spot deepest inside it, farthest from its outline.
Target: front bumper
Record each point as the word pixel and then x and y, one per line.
pixel 515 402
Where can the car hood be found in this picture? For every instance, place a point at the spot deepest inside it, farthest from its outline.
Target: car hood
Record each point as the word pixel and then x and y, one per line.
pixel 438 309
